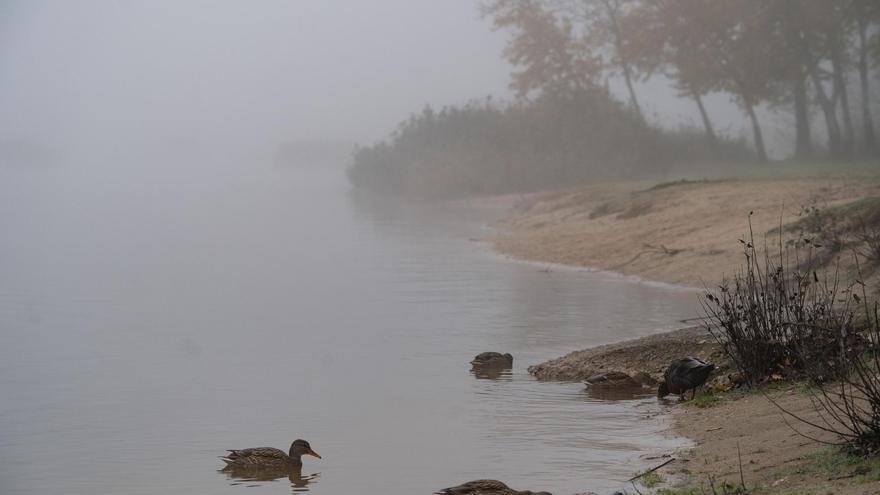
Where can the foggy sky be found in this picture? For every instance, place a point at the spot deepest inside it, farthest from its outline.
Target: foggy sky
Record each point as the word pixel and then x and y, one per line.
pixel 245 71
pixel 238 74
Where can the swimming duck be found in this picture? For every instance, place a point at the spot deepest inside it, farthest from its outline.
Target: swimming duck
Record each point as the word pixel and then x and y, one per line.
pixel 268 457
pixel 485 487
pixel 683 375
pixel 492 360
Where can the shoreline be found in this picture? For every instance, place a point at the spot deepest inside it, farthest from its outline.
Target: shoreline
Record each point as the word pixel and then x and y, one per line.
pixel 672 233
pixel 657 235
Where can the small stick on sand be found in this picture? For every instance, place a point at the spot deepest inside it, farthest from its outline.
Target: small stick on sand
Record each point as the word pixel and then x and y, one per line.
pixel 651 470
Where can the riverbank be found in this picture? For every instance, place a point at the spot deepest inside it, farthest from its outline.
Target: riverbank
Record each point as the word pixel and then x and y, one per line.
pixel 746 438
pixel 688 233
pixel 683 233
pixel 728 428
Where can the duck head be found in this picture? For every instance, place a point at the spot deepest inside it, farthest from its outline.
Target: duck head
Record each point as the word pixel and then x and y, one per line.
pixel 300 448
pixel 662 390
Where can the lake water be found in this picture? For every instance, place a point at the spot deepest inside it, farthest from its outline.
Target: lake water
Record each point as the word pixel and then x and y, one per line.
pixel 153 316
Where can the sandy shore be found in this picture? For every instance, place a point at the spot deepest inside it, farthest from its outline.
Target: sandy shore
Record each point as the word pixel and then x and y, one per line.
pixel 688 234
pixel 752 432
pixel 681 233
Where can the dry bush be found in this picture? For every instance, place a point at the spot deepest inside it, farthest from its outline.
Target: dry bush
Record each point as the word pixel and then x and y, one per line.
pixel 779 319
pixel 775 316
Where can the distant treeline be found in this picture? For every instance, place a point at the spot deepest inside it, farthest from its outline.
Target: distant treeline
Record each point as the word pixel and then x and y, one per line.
pixel 797 55
pixel 552 141
pixel 814 59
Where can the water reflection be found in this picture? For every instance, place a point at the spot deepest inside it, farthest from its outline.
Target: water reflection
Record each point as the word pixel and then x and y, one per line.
pixel 248 476
pixel 504 374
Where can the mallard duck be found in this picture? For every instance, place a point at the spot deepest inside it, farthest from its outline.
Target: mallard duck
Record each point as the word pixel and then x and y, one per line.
pixel 485 487
pixel 268 457
pixel 492 360
pixel 612 379
pixel 683 375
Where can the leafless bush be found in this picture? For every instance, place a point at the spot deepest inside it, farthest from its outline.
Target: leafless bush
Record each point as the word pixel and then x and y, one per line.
pixel 848 401
pixel 778 316
pixel 774 318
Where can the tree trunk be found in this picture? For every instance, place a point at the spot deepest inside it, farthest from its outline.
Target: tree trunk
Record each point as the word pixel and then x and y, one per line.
pixel 749 106
pixel 707 124
pixel 756 130
pixel 834 144
pixel 848 142
pixel 803 147
pixel 624 66
pixel 870 144
pixel 632 92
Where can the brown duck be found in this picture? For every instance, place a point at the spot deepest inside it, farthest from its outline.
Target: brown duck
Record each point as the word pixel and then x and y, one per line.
pixel 485 487
pixel 268 457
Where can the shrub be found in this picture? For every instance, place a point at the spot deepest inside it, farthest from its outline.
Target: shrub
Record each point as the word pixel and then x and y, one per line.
pixel 775 317
pixel 848 401
pixel 486 147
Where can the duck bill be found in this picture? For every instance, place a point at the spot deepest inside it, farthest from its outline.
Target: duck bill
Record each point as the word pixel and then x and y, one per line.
pixel 313 453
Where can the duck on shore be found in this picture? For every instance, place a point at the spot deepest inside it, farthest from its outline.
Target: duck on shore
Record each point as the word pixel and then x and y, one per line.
pixel 683 375
pixel 268 457
pixel 485 487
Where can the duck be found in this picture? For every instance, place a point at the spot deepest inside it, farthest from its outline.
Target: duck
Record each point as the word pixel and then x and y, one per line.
pixel 612 379
pixel 683 375
pixel 485 487
pixel 268 457
pixel 492 360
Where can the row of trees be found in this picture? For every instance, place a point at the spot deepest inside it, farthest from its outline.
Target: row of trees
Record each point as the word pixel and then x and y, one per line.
pixel 799 54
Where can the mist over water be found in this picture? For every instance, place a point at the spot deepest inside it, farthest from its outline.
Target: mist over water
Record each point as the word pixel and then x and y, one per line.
pixel 168 291
pixel 149 323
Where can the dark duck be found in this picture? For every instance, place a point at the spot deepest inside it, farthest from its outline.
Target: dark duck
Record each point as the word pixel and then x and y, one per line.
pixel 492 360
pixel 683 375
pixel 485 487
pixel 268 457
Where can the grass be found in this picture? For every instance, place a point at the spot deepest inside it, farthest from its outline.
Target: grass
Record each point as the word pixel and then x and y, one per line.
pixel 707 398
pixel 817 217
pixel 651 480
pixel 688 490
pixel 835 463
pixel 718 489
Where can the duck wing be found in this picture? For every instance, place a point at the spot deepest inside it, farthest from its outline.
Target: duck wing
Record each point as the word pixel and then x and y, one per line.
pixel 478 487
pixel 689 372
pixel 258 456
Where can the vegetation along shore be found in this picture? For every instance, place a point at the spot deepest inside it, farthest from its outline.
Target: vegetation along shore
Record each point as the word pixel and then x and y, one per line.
pixel 770 437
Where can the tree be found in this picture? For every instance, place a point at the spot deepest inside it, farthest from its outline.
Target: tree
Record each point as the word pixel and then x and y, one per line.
pixel 660 38
pixel 735 37
pixel 553 39
pixel 866 13
pixel 602 32
pixel 543 48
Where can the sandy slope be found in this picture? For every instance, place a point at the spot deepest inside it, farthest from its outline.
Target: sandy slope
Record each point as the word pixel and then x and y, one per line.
pixel 688 233
pixel 685 233
pixel 775 458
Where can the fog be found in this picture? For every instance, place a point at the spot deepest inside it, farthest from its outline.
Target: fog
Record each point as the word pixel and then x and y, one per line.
pixel 227 74
pixel 167 291
pixel 102 77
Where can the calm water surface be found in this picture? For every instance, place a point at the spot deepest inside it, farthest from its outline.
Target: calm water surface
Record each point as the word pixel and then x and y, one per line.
pixel 153 316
